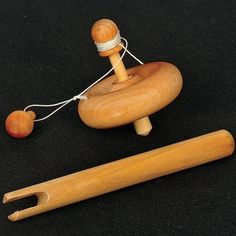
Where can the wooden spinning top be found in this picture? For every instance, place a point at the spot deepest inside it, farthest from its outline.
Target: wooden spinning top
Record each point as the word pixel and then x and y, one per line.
pixel 129 95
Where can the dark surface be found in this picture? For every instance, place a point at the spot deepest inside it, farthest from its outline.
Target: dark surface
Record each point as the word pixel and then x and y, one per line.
pixel 47 55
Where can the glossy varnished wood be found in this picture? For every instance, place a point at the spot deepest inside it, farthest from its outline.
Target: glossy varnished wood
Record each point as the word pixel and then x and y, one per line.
pixel 104 31
pixel 123 173
pixel 151 87
pixel 20 124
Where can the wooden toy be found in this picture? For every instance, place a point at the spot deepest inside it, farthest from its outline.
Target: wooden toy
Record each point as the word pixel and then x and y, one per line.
pixel 125 97
pixel 129 95
pixel 123 173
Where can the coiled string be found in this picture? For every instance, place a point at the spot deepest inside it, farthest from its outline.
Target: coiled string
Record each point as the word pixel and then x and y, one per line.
pixel 101 47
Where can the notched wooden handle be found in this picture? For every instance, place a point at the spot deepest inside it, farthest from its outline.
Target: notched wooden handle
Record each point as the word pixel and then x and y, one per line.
pixel 123 173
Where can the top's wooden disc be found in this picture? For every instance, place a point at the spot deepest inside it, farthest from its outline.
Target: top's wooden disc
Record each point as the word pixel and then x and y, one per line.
pixel 151 87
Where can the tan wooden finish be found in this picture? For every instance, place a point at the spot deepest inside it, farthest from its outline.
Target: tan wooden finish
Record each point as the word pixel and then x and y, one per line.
pixel 142 126
pixel 120 70
pixel 20 124
pixel 110 104
pixel 123 173
pixel 128 96
pixel 103 31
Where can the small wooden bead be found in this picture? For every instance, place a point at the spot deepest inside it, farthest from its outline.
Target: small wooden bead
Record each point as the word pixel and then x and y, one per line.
pixel 20 124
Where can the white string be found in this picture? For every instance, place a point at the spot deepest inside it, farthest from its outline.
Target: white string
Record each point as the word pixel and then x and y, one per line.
pixel 81 95
pixel 109 44
pixel 131 54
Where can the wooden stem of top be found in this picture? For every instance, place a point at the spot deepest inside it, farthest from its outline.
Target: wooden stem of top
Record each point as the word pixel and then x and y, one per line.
pixel 102 32
pixel 120 70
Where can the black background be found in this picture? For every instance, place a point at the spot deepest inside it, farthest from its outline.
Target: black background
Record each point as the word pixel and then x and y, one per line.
pixel 47 55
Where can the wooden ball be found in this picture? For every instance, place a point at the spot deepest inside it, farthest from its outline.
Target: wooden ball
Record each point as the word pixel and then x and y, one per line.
pixel 103 31
pixel 19 124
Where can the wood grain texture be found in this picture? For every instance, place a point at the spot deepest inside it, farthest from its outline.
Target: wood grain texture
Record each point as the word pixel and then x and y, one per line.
pixel 142 126
pixel 123 173
pixel 151 87
pixel 105 30
pixel 102 32
pixel 120 70
pixel 20 124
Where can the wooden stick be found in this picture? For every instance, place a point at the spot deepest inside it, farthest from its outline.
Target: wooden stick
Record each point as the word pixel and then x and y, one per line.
pixel 123 173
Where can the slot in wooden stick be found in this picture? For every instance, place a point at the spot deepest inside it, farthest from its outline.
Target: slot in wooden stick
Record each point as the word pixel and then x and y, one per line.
pixel 123 173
